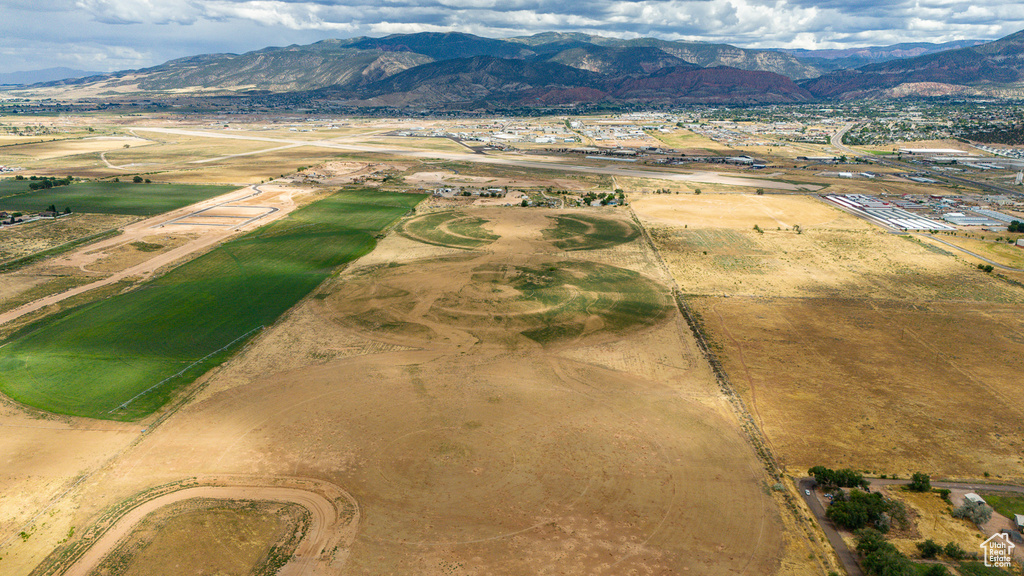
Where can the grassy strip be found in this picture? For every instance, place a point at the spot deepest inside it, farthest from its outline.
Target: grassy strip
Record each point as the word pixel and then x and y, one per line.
pixel 111 197
pixel 17 263
pixel 1005 504
pixel 122 358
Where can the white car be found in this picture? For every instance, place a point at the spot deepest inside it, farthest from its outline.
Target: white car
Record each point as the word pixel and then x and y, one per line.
pixel 807 492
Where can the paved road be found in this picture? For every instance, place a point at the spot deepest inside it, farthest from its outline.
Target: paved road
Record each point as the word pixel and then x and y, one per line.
pixel 978 256
pixel 847 557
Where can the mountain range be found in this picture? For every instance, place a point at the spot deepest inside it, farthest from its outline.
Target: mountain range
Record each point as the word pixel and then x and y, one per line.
pixel 44 75
pixel 989 69
pixel 847 58
pixel 463 70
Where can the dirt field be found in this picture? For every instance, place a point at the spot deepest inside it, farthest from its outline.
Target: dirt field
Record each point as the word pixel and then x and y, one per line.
pixel 25 239
pixel 423 381
pixel 851 346
pixel 202 537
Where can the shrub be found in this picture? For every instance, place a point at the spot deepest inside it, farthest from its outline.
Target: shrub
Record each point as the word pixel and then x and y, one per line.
pixel 929 548
pixel 976 512
pixel 953 551
pixel 944 494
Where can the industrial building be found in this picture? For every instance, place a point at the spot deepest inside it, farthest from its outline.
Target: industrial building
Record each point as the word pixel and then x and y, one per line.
pixel 961 219
pixel 885 213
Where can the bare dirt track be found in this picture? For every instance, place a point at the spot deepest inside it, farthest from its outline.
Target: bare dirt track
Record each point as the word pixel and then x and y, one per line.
pixel 430 385
pixel 321 533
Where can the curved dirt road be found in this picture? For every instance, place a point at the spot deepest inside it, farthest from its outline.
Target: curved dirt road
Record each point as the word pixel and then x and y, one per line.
pixel 307 556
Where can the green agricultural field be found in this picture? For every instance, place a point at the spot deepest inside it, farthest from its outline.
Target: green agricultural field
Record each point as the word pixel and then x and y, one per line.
pixel 106 197
pixel 449 229
pixel 122 358
pixel 586 232
pixel 1005 504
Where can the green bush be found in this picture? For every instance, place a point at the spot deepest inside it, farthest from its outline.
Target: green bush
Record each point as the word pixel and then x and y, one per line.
pixel 976 512
pixel 929 548
pixel 920 482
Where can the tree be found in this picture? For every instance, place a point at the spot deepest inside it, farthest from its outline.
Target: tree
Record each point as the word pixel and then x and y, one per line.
pixel 888 561
pixel 861 510
pixel 696 190
pixel 760 191
pixel 977 512
pixel 844 477
pixel 920 482
pixel 869 540
pixel 137 179
pixel 525 203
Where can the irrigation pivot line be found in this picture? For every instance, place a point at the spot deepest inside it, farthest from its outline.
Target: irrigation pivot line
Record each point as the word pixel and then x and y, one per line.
pixel 183 370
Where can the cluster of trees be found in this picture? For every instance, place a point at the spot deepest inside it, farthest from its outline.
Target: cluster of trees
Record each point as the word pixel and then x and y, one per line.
pixel 843 478
pixel 1016 226
pixel 45 182
pixel 985 267
pixel 881 558
pixel 53 208
pixel 606 198
pixel 139 180
pixel 858 509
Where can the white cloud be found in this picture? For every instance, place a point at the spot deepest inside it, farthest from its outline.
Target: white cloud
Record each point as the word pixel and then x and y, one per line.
pixel 152 31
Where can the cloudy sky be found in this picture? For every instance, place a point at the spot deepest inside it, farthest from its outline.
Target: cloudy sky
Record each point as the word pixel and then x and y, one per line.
pixel 108 35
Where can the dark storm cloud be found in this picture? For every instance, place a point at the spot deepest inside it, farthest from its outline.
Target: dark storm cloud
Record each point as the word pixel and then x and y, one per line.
pixel 119 34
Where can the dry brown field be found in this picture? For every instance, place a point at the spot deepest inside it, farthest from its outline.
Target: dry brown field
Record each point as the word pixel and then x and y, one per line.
pixel 851 346
pixel 501 409
pixel 25 239
pixel 200 537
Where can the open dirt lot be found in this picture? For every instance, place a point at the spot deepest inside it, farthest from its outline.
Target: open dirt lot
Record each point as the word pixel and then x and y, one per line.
pixel 851 346
pixel 25 239
pixel 513 408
